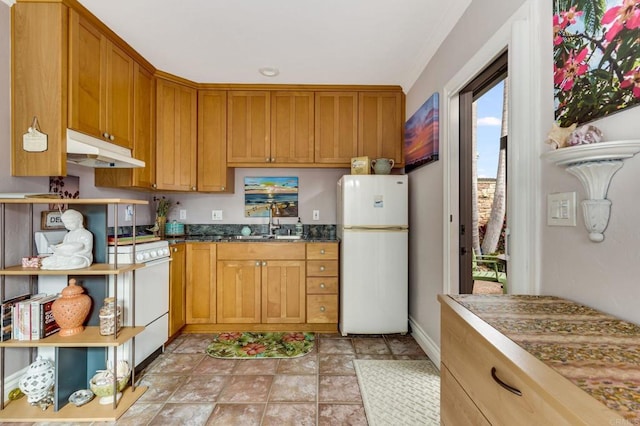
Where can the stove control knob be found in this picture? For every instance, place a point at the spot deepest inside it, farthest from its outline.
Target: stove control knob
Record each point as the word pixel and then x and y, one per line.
pixel 146 256
pixel 139 257
pixel 153 253
pixel 164 252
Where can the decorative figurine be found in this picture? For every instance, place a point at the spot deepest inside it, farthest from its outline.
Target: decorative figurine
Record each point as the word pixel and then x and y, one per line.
pixel 585 135
pixel 71 309
pixel 558 136
pixel 37 383
pixel 75 251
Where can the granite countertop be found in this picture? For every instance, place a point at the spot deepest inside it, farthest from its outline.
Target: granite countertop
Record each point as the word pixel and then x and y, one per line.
pixel 597 352
pixel 233 239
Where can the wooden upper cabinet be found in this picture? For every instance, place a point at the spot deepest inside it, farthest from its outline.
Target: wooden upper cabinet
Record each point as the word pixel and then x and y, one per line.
pixel 213 173
pixel 100 84
pixel 380 126
pixel 292 127
pixel 144 147
pixel 176 143
pixel 248 126
pixel 336 127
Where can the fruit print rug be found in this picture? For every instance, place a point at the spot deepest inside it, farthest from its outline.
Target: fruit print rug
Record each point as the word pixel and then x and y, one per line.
pixel 261 345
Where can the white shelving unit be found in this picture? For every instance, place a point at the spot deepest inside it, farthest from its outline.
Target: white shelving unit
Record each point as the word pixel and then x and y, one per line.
pixel 594 165
pixel 76 357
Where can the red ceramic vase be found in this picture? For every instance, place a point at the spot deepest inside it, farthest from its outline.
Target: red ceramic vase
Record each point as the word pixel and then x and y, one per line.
pixel 71 309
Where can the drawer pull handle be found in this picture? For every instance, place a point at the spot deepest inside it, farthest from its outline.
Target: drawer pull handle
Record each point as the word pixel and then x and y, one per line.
pixel 322 269
pixel 322 309
pixel 322 251
pixel 503 384
pixel 322 285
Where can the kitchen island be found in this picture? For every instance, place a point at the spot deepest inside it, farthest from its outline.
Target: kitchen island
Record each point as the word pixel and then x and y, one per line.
pixel 514 359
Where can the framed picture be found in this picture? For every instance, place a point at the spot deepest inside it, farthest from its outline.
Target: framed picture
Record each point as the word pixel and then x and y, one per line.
pixel 51 219
pixel 421 135
pixel 596 71
pixel 277 193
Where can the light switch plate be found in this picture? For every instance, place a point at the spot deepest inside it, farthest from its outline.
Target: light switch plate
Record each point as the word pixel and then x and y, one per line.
pixel 216 214
pixel 561 209
pixel 316 215
pixel 183 214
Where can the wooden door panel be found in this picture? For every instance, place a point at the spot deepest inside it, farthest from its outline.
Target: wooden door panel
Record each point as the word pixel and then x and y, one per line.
pixel 248 123
pixel 177 294
pixel 238 291
pixel 336 128
pixel 380 126
pixel 119 96
pixel 292 127
pixel 283 292
pixel 201 283
pixel 213 173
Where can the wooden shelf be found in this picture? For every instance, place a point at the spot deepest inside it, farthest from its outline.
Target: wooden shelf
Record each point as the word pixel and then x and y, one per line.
pixel 52 200
pixel 95 269
pixel 90 337
pixel 21 411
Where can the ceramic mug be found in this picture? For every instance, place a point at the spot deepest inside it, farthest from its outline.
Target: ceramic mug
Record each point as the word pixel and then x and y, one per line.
pixel 382 166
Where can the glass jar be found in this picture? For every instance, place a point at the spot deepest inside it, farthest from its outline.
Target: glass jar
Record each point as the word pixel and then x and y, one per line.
pixel 108 319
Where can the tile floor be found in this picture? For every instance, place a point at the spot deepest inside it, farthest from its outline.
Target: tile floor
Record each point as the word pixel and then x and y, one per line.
pixel 188 387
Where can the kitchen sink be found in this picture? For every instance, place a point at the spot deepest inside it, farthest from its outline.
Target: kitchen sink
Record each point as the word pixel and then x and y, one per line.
pixel 288 237
pixel 253 237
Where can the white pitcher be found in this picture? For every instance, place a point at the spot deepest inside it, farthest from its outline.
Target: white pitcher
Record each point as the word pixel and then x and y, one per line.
pixel 382 166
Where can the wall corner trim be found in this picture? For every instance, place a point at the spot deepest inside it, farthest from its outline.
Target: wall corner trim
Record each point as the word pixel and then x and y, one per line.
pixel 9 2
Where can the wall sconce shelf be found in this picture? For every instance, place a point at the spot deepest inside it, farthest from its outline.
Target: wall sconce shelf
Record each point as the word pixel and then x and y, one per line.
pixel 594 165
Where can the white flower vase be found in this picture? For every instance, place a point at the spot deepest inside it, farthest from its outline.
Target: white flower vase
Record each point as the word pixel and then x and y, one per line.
pixel 37 383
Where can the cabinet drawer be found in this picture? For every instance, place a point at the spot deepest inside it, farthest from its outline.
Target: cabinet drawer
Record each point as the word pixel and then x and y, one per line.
pixel 322 268
pixel 322 285
pixel 260 251
pixel 322 308
pixel 316 251
pixel 456 408
pixel 470 358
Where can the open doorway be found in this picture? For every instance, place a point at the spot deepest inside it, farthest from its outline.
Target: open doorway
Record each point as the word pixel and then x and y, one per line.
pixel 483 180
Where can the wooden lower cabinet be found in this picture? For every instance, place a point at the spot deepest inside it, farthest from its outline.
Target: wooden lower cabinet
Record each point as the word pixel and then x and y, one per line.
pixel 283 291
pixel 177 288
pixel 201 283
pixel 322 283
pixel 238 291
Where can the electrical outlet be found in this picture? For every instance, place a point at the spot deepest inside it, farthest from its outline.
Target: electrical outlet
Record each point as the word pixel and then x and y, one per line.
pixel 183 214
pixel 316 215
pixel 216 214
pixel 128 213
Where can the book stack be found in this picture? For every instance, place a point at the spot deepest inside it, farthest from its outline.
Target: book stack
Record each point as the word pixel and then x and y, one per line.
pixel 28 317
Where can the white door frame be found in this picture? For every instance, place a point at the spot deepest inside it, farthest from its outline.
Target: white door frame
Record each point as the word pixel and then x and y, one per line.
pixel 523 36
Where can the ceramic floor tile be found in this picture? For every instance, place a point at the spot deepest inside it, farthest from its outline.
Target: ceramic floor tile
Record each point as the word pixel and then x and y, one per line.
pixel 339 389
pixel 236 415
pixel 246 388
pixel 194 344
pixel 175 363
pixel 294 388
pixel 175 343
pixel 279 414
pixel 256 366
pixel 335 346
pixel 182 414
pixel 139 413
pixel 404 345
pixel 160 387
pixel 341 414
pixel 373 356
pixel 307 364
pixel 336 364
pixel 372 346
pixel 210 365
pixel 199 388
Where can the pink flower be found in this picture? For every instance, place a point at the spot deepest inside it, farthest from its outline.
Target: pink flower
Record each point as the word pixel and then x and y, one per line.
pixel 293 337
pixel 569 17
pixel 573 67
pixel 632 79
pixel 253 348
pixel 557 27
pixel 626 15
pixel 228 336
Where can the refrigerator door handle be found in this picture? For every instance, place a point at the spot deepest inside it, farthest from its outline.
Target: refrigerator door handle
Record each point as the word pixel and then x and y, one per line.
pixel 376 228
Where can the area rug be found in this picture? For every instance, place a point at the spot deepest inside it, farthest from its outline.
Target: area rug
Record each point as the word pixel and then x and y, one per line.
pixel 261 345
pixel 399 392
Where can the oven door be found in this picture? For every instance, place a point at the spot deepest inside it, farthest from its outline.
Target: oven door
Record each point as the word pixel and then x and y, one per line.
pixel 151 290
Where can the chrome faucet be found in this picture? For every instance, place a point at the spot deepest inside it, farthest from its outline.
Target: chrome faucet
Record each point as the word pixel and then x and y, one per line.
pixel 273 224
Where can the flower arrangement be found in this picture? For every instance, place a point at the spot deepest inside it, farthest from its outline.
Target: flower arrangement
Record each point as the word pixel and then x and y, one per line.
pixel 163 206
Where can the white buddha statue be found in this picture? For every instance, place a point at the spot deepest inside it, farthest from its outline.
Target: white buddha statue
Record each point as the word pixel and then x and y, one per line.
pixel 76 249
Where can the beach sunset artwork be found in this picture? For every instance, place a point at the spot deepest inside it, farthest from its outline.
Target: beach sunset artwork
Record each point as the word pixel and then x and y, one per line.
pixel 421 135
pixel 280 194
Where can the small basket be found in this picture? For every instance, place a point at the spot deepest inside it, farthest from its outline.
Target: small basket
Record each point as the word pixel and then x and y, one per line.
pixel 103 390
pixel 174 228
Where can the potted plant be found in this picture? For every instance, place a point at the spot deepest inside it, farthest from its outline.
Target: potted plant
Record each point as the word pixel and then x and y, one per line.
pixel 162 210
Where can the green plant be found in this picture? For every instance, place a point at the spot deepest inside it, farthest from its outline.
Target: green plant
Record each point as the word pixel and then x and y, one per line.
pixel 163 206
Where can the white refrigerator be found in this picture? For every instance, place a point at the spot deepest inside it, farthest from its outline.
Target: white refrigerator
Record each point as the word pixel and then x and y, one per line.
pixel 373 228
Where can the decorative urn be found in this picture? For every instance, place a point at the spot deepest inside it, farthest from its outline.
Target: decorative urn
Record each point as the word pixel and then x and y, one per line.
pixel 71 309
pixel 37 383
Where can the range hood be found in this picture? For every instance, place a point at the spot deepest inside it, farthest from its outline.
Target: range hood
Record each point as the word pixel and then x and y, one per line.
pixel 92 152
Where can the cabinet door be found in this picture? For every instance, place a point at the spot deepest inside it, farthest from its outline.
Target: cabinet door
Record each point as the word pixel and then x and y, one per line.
pixel 213 173
pixel 292 131
pixel 201 283
pixel 176 147
pixel 119 83
pixel 87 47
pixel 283 291
pixel 248 127
pixel 238 291
pixel 177 289
pixel 380 126
pixel 336 127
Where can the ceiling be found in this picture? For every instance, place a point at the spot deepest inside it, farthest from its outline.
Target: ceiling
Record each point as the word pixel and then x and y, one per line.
pixel 308 41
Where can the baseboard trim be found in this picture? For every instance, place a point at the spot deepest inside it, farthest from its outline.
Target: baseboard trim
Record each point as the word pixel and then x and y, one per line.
pixel 426 343
pixel 11 382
